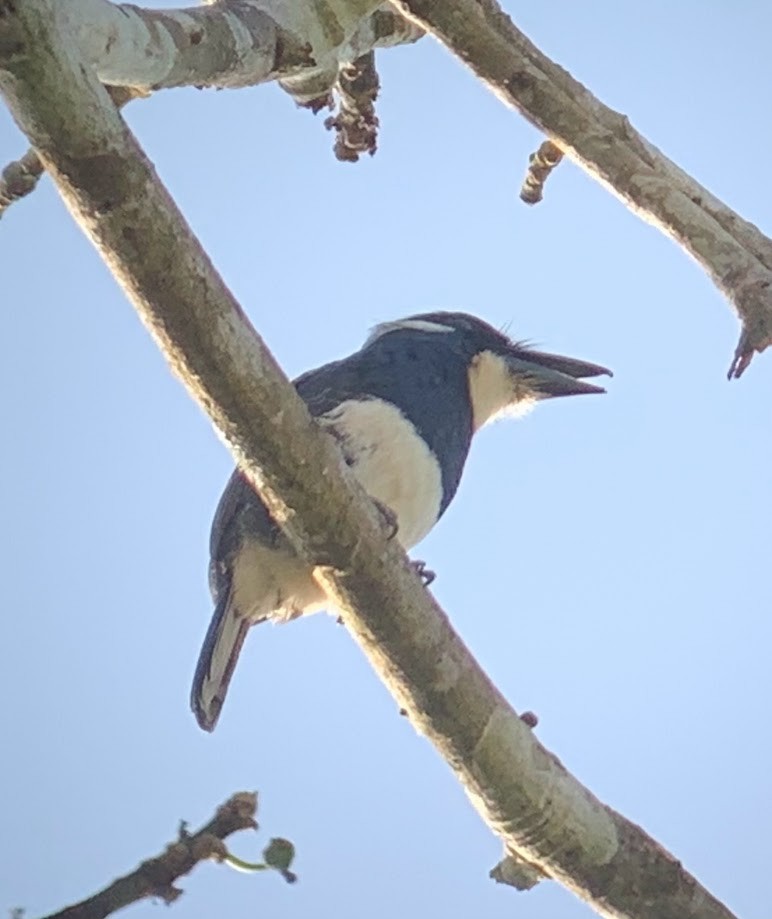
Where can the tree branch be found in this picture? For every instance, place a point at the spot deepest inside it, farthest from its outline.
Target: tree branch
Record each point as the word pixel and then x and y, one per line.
pixel 523 792
pixel 736 255
pixel 229 43
pixel 156 877
pixel 20 177
pixel 222 44
pixel 311 50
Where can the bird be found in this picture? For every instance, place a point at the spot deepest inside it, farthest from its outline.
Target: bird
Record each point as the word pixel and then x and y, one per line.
pixel 403 410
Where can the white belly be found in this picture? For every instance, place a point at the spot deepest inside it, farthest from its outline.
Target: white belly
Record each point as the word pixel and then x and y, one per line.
pixel 392 463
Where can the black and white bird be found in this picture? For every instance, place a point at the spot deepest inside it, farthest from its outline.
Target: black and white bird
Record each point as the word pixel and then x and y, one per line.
pixel 403 409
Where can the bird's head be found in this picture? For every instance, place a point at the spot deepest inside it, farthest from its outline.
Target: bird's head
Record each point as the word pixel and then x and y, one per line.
pixel 505 376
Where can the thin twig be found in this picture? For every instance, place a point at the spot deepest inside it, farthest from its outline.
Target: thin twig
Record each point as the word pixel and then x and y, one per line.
pixel 19 178
pixel 540 165
pixel 156 877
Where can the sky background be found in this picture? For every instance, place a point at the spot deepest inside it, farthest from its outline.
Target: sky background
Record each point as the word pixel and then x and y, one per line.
pixel 606 559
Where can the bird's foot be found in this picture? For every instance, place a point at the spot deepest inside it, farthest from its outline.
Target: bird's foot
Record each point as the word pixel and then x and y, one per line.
pixel 424 573
pixel 389 518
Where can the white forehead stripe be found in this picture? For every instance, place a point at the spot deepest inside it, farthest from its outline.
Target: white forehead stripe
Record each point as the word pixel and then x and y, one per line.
pixel 419 325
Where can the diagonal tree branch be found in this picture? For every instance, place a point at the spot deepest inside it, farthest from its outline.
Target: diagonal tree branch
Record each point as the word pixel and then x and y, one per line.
pixel 20 178
pixel 157 876
pixel 736 255
pixel 523 792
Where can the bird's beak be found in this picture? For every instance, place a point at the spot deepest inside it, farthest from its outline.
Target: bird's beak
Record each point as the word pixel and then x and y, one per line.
pixel 553 375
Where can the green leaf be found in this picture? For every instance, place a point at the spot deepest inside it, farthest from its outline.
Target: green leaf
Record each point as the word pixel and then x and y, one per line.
pixel 279 855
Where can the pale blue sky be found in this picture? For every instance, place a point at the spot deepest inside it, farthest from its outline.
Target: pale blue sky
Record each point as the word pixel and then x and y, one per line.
pixel 606 559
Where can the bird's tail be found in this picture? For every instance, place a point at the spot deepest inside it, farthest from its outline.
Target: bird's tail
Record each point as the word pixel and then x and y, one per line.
pixel 217 660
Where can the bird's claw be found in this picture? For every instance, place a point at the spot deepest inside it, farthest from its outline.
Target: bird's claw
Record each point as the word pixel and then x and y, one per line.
pixel 389 518
pixel 424 573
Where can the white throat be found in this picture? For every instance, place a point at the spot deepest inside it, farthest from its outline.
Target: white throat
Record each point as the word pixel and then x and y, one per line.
pixel 494 392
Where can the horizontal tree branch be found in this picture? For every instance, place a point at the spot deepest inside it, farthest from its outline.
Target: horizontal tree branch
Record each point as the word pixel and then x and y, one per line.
pixel 523 792
pixel 229 43
pixel 234 44
pixel 157 876
pixel 736 255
